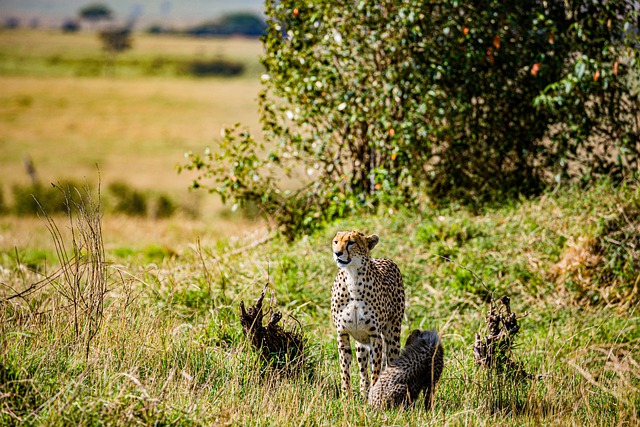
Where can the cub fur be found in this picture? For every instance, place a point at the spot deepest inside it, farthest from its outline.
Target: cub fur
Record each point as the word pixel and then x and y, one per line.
pixel 418 368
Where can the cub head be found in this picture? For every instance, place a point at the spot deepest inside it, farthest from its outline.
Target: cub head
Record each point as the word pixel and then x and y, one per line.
pixel 422 340
pixel 351 248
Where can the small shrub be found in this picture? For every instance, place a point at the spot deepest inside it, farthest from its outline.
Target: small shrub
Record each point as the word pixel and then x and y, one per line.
pixel 116 40
pixel 33 199
pixel 163 207
pixel 215 67
pixel 70 26
pixel 3 206
pixel 127 200
pixel 156 29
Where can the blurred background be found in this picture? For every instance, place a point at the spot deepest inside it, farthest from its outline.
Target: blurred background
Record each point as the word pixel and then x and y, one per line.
pixel 117 92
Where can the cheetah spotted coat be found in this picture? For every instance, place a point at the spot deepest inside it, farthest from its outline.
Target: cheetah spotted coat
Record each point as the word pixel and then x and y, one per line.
pixel 367 304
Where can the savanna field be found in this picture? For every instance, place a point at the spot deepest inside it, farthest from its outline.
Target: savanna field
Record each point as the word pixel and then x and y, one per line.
pixel 117 318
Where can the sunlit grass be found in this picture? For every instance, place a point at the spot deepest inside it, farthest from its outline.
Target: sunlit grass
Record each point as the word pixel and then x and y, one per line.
pixel 52 53
pixel 171 349
pixel 136 130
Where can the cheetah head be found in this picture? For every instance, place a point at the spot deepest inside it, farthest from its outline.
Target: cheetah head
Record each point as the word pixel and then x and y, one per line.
pixel 351 248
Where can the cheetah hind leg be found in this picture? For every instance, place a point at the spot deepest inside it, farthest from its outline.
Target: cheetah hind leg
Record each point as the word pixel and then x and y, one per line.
pixel 362 354
pixel 375 357
pixel 384 361
pixel 392 342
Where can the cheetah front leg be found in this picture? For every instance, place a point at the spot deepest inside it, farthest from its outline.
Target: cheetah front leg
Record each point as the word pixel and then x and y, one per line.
pixel 362 354
pixel 344 353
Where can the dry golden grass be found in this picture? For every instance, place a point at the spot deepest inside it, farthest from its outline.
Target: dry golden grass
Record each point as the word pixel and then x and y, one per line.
pixel 49 44
pixel 29 43
pixel 136 130
pixel 175 234
pixel 133 129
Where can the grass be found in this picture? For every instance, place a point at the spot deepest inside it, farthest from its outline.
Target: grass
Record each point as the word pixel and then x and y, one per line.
pixel 170 349
pixel 138 129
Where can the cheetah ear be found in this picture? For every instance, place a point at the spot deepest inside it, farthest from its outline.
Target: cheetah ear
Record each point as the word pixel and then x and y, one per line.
pixel 372 241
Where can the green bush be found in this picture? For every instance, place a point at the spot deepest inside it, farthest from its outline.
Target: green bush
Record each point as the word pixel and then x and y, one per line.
pixel 164 207
pixel 33 199
pixel 127 200
pixel 3 206
pixel 214 67
pixel 383 103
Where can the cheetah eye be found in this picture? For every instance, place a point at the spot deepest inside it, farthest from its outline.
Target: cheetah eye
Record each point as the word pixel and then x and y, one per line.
pixel 335 242
pixel 350 243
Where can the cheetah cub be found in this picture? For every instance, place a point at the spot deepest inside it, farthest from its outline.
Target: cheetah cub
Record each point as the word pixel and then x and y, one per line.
pixel 367 303
pixel 418 368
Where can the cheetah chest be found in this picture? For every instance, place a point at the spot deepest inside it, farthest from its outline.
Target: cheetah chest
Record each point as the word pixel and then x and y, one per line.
pixel 355 318
pixel 354 314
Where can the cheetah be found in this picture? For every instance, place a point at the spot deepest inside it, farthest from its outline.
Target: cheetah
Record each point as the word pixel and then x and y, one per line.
pixel 418 368
pixel 367 303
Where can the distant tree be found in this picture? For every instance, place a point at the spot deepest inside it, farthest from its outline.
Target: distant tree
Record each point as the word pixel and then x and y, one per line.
pixel 156 29
pixel 70 26
pixel 115 41
pixel 244 23
pixel 11 23
pixel 95 12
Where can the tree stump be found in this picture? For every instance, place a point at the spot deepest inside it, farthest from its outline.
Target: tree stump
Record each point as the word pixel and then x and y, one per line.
pixel 279 348
pixel 494 350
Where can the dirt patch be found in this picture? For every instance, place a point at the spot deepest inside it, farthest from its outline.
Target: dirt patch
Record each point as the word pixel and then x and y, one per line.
pixel 606 268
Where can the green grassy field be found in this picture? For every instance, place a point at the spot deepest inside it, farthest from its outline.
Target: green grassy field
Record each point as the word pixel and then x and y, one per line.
pixel 141 327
